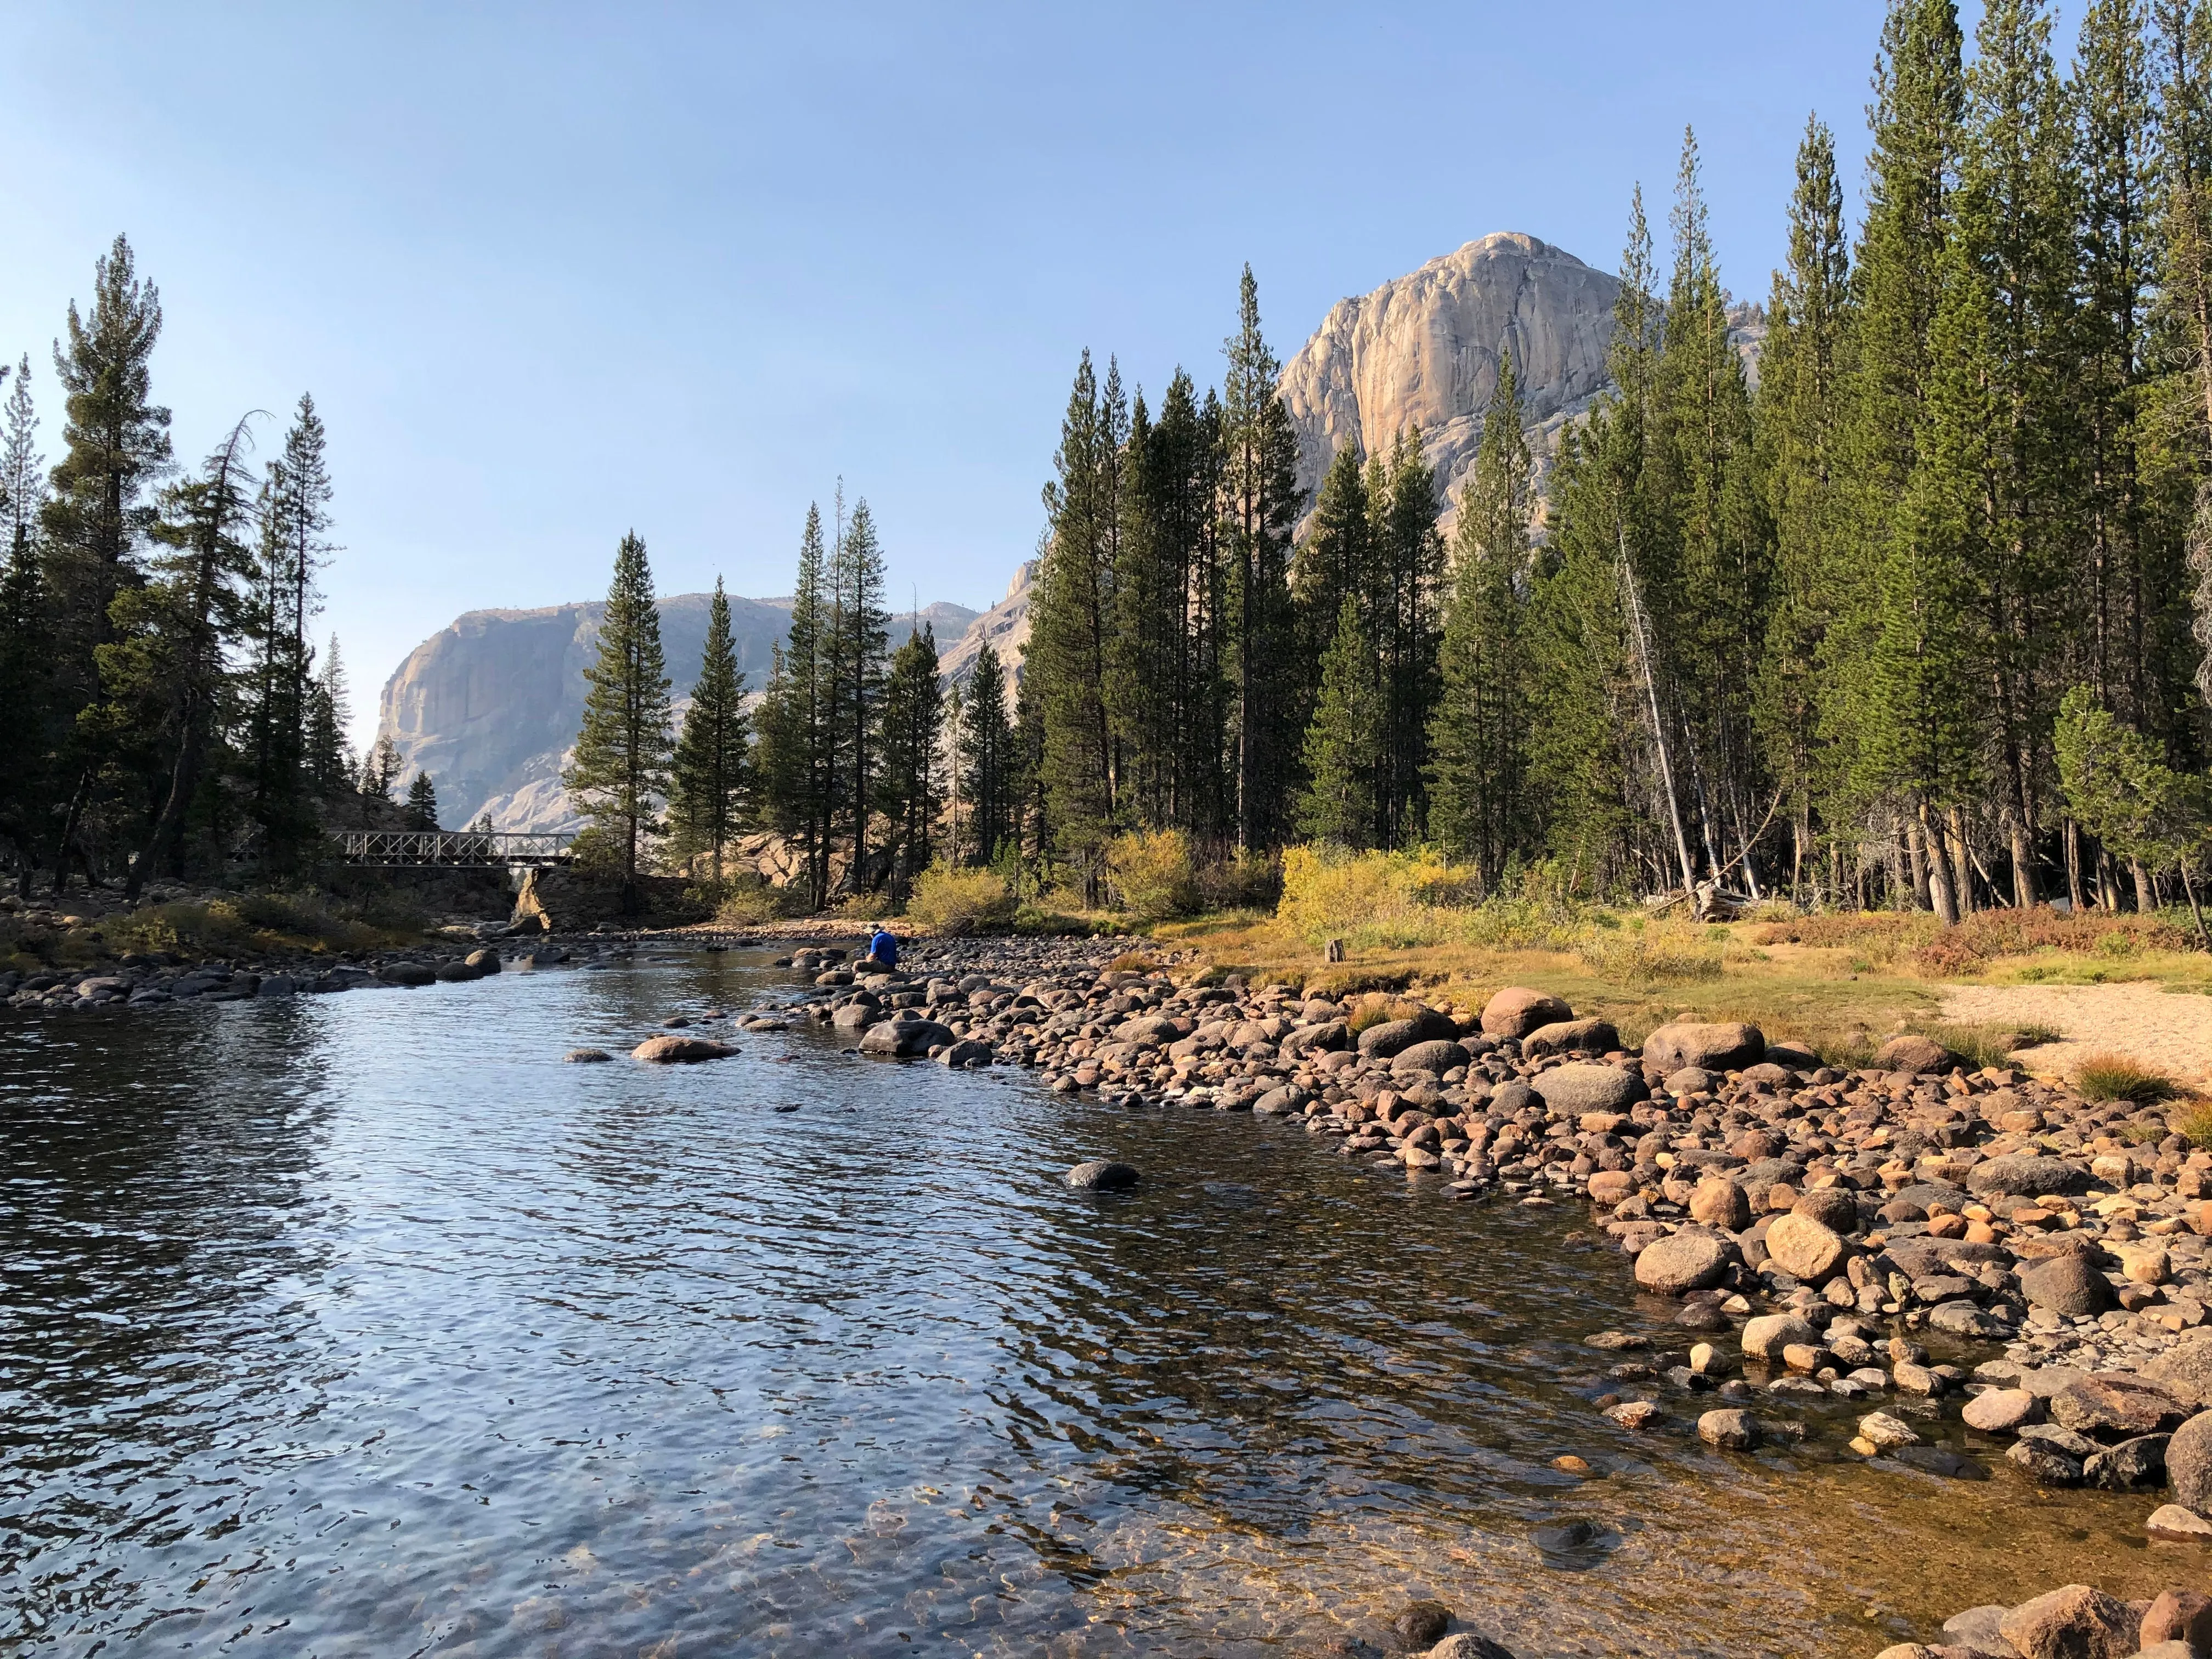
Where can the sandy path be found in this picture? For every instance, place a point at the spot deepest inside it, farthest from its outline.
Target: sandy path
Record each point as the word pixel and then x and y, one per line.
pixel 2170 1033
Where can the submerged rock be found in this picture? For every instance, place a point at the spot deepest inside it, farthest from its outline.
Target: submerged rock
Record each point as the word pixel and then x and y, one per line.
pixel 1102 1176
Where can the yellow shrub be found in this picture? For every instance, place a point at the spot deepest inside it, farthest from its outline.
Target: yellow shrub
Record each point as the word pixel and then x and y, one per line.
pixel 953 900
pixel 1154 875
pixel 1397 901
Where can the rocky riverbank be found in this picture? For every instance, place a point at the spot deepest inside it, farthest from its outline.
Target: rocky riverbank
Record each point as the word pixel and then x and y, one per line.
pixel 1931 1245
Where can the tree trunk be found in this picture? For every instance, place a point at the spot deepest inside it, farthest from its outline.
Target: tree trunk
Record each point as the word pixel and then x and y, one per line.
pixel 2072 838
pixel 2146 900
pixel 1916 852
pixel 2024 893
pixel 1962 867
pixel 1938 868
pixel 2195 910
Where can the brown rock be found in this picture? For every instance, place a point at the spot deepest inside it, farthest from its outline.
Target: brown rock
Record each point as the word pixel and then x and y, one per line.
pixel 680 1050
pixel 2077 1622
pixel 1609 1186
pixel 1914 1053
pixel 1563 1037
pixel 1805 1249
pixel 2114 1403
pixel 1719 1202
pixel 2001 1411
pixel 1517 1011
pixel 2184 1369
pixel 2067 1285
pixel 1831 1206
pixel 2178 1615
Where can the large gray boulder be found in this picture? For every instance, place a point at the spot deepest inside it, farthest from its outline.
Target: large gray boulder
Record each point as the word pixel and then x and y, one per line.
pixel 1805 1249
pixel 673 1050
pixel 1435 1055
pixel 1595 1036
pixel 1101 1174
pixel 1724 1046
pixel 1394 1036
pixel 2184 1369
pixel 2189 1463
pixel 2067 1285
pixel 900 1039
pixel 2026 1174
pixel 1914 1053
pixel 1589 1087
pixel 2077 1622
pixel 1686 1261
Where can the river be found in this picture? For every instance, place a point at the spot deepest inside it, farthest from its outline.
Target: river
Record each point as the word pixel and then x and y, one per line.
pixel 360 1325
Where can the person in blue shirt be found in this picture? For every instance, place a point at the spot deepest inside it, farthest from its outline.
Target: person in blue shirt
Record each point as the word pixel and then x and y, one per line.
pixel 883 947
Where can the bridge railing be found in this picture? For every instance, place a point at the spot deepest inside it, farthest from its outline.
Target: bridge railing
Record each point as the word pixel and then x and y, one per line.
pixel 455 848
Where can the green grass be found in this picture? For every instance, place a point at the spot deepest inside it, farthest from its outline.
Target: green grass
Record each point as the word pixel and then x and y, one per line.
pixel 2107 1076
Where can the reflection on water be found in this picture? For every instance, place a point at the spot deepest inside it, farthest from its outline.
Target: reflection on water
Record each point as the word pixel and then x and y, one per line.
pixel 360 1326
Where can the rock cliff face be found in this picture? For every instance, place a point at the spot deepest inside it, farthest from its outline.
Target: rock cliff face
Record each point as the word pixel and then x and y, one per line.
pixel 1006 626
pixel 489 706
pixel 1421 351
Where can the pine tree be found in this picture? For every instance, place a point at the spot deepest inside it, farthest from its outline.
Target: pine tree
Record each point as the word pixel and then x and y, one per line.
pixel 162 675
pixel 913 724
pixel 421 803
pixel 709 778
pixel 27 737
pixel 1802 371
pixel 793 758
pixel 621 760
pixel 96 524
pixel 1335 559
pixel 329 757
pixel 986 758
pixel 295 545
pixel 1261 503
pixel 1343 742
pixel 1477 805
pixel 380 768
pixel 1072 627
pixel 1402 622
pixel 856 649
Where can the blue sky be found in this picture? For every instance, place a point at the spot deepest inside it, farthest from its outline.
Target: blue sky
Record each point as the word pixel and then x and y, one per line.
pixel 553 271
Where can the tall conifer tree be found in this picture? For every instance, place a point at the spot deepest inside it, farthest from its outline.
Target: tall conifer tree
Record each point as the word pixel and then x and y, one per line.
pixel 619 772
pixel 709 775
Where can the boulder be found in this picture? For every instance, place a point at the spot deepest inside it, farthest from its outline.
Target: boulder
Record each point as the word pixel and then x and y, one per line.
pixel 2026 1174
pixel 1394 1036
pixel 1435 1055
pixel 456 973
pixel 1730 1430
pixel 2184 1371
pixel 2189 1463
pixel 2131 1464
pixel 1420 1623
pixel 1719 1202
pixel 1914 1053
pixel 1610 1187
pixel 2067 1285
pixel 2112 1403
pixel 485 962
pixel 1831 1206
pixel 1102 1176
pixel 1713 1047
pixel 1566 1035
pixel 2002 1411
pixel 1467 1644
pixel 966 1052
pixel 1765 1337
pixel 2077 1622
pixel 901 1039
pixel 1517 1011
pixel 2169 1523
pixel 406 973
pixel 1686 1261
pixel 673 1050
pixel 1886 1433
pixel 585 1057
pixel 1805 1249
pixel 1584 1085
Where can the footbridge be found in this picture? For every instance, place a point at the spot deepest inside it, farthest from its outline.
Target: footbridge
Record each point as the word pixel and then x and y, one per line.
pixel 455 850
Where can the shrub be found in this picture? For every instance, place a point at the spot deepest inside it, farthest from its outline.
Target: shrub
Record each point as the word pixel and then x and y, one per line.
pixel 748 902
pixel 1246 880
pixel 1133 962
pixel 1152 875
pixel 1396 901
pixel 953 900
pixel 1646 955
pixel 2105 1075
pixel 2197 1124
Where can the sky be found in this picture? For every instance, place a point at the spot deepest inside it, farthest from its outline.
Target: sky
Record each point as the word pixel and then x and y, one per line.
pixel 552 272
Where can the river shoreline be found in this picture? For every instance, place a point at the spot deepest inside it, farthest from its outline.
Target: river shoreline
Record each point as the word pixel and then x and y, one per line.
pixel 1821 1232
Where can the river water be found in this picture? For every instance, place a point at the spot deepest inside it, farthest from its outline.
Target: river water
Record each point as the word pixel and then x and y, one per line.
pixel 360 1325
